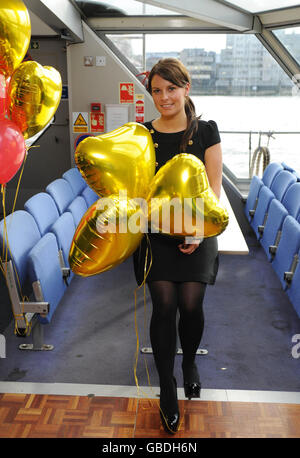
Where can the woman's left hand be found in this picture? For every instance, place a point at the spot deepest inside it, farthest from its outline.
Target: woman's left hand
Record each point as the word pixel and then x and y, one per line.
pixel 188 248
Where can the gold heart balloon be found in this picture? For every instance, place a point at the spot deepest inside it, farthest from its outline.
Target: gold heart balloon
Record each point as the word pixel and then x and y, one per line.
pixel 123 159
pixel 103 239
pixel 181 202
pixel 15 32
pixel 34 95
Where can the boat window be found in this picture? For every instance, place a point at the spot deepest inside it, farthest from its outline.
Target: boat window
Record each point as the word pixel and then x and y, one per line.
pixel 115 8
pixel 236 82
pixel 258 6
pixel 131 46
pixel 290 38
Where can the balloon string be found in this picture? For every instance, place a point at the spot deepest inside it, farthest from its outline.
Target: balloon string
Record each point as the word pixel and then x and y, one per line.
pixel 6 249
pixel 19 180
pixel 146 272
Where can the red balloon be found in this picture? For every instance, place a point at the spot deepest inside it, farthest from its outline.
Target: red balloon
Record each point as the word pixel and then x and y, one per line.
pixel 12 150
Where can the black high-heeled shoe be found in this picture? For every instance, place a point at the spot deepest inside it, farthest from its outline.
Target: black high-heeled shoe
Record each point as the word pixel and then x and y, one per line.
pixel 170 421
pixel 191 383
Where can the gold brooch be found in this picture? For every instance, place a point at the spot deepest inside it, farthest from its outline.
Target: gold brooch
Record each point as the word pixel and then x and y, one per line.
pixel 190 142
pixel 155 145
pixel 151 131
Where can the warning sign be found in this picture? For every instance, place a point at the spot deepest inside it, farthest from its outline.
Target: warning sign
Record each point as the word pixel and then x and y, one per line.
pixel 80 121
pixel 139 118
pixel 139 108
pixel 126 93
pixel 97 122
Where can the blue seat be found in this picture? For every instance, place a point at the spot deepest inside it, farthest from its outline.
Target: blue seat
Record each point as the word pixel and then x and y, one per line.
pixel 252 199
pixel 90 196
pixel 61 192
pixel 256 184
pixel 44 210
pixel 291 200
pixel 277 212
pixel 23 234
pixel 76 181
pixel 64 229
pixel 261 211
pixel 78 208
pixel 287 249
pixel 279 186
pixel 281 183
pixel 272 229
pixel 293 290
pixel 44 266
pixel 271 172
pixel 287 167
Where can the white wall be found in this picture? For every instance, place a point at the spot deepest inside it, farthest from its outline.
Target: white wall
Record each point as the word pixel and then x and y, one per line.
pixel 98 84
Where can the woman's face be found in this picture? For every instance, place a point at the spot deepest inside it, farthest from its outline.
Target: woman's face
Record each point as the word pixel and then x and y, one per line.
pixel 168 98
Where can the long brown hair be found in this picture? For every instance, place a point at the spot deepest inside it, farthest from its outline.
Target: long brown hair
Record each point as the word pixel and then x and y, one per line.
pixel 173 70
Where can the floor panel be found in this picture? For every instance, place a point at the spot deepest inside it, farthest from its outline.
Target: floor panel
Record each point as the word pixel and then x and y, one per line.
pixel 61 416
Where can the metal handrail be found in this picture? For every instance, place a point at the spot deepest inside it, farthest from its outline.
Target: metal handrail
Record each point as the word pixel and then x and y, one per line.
pixel 270 132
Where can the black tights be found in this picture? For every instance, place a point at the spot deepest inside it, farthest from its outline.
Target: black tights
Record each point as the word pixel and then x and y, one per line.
pixel 166 297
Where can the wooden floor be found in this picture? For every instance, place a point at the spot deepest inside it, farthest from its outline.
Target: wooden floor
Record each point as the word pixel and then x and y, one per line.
pixel 53 416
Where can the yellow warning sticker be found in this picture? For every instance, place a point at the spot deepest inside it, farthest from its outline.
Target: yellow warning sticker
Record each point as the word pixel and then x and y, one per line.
pixel 80 121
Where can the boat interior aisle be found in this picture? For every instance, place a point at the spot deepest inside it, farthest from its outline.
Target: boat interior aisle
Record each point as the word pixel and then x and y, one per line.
pixel 248 333
pixel 75 352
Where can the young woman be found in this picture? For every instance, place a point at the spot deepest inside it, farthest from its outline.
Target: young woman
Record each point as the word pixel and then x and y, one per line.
pixel 180 272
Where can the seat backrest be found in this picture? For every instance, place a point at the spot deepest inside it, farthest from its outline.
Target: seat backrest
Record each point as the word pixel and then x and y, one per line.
pixel 90 196
pixel 270 173
pixel 264 199
pixel 291 200
pixel 276 215
pixel 43 265
pixel 281 183
pixel 76 181
pixel 294 290
pixel 78 208
pixel 287 167
pixel 64 230
pixel 288 246
pixel 44 210
pixel 61 192
pixel 22 233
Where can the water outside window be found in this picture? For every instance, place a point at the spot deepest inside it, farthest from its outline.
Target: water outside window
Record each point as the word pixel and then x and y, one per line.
pixel 236 82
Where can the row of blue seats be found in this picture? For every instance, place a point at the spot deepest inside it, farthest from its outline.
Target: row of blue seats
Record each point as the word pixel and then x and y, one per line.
pixel 39 237
pixel 273 210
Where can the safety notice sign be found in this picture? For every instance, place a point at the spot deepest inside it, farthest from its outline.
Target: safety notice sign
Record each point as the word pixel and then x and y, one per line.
pixel 139 108
pixel 80 121
pixel 126 93
pixel 97 122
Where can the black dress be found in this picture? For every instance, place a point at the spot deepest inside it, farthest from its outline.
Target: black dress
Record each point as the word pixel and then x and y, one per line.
pixel 168 262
